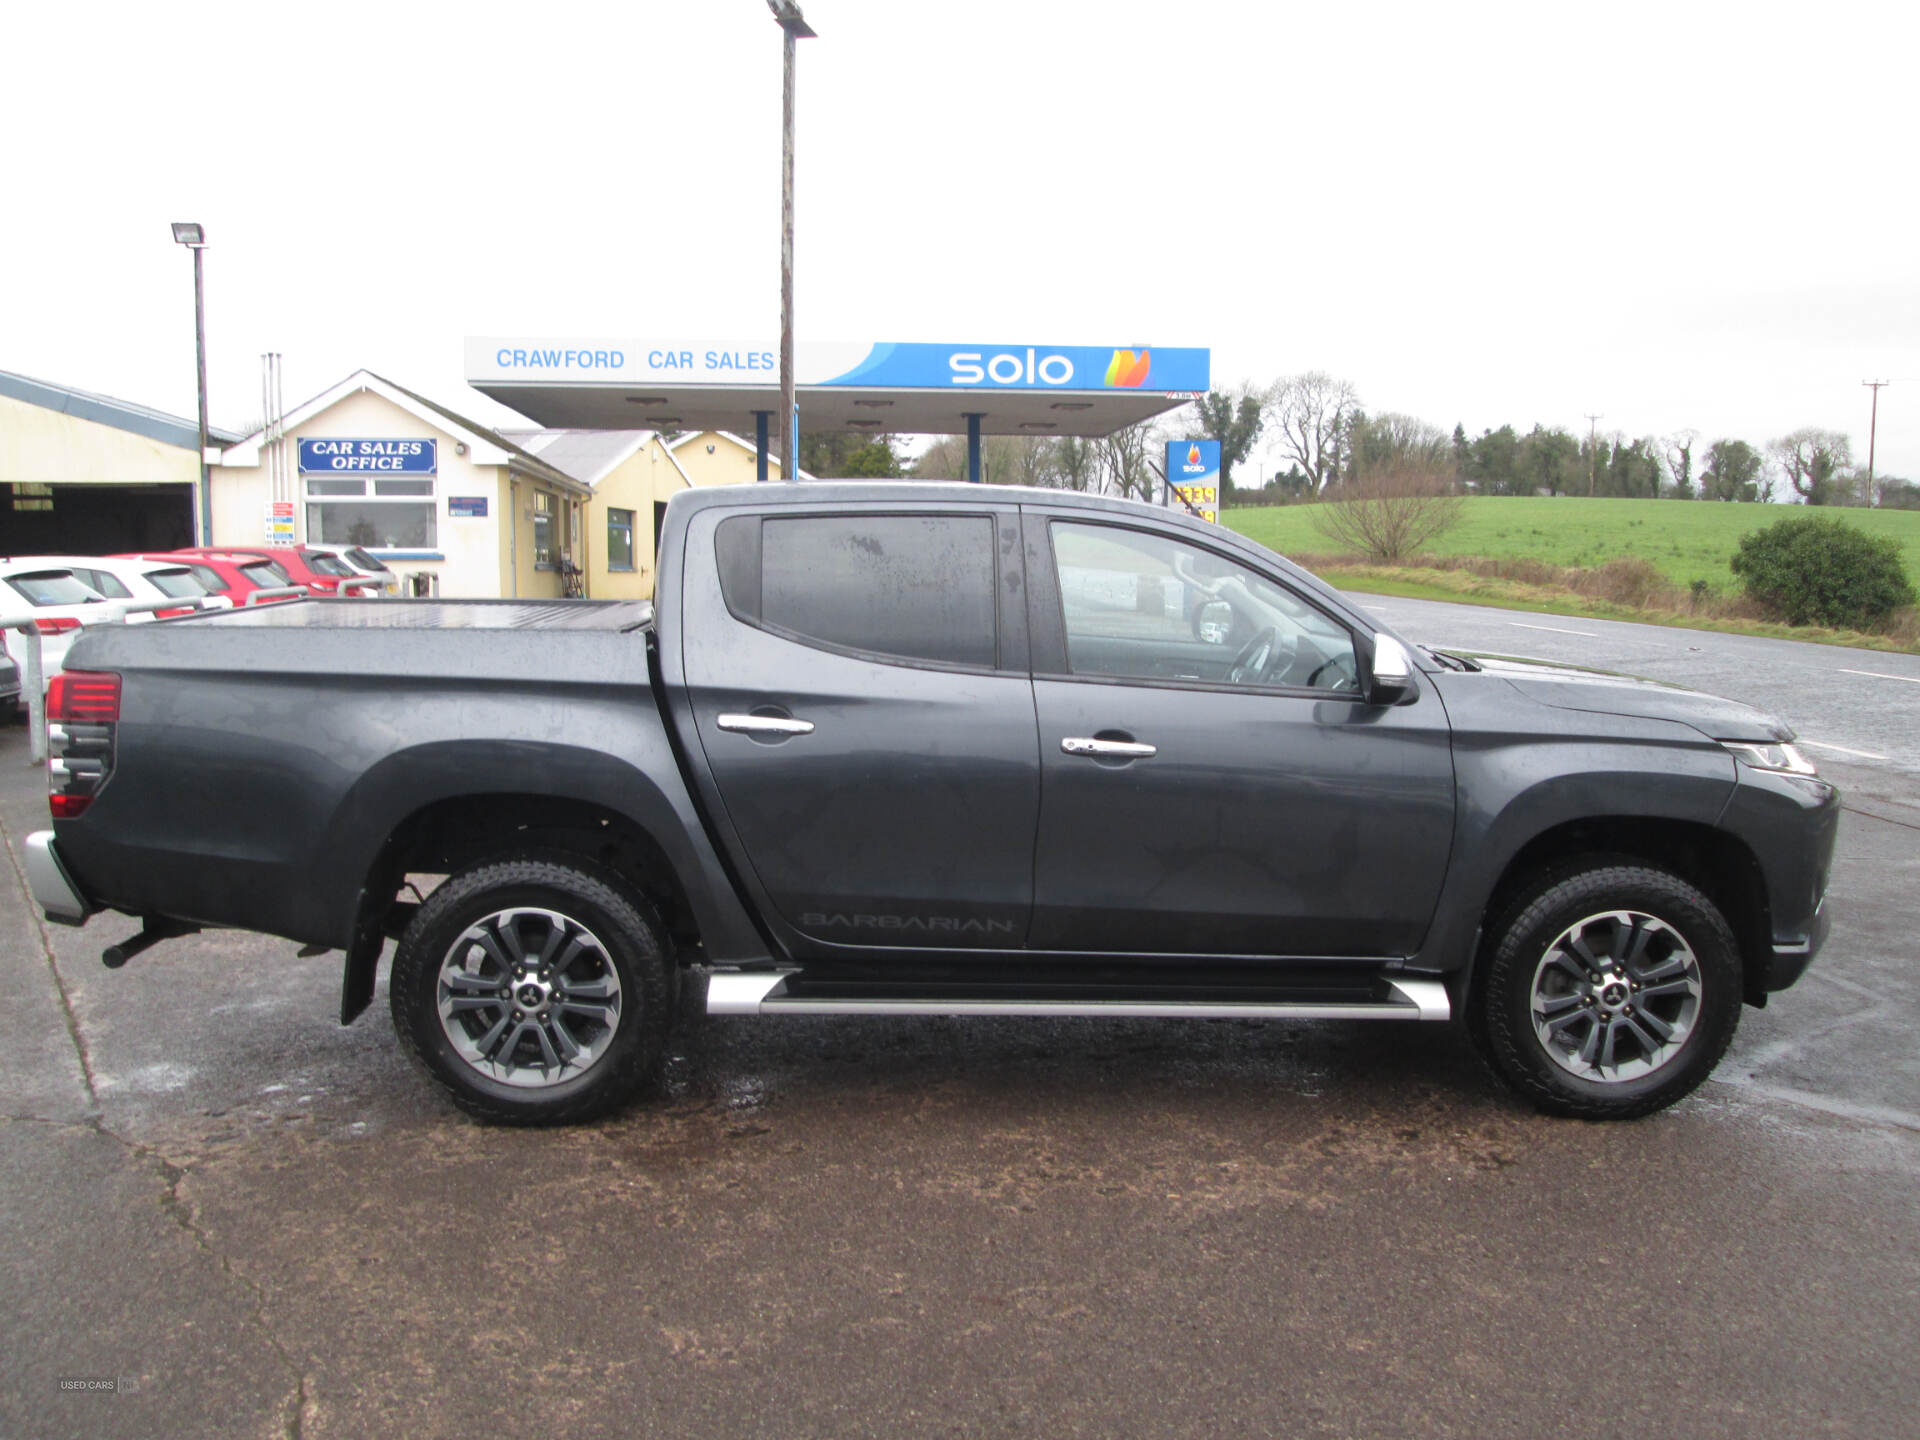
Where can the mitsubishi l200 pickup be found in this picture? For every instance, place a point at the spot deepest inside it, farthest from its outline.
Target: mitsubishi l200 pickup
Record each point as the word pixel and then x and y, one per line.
pixel 926 749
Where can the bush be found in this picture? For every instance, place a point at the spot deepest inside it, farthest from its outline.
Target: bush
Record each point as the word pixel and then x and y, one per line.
pixel 1391 511
pixel 1811 570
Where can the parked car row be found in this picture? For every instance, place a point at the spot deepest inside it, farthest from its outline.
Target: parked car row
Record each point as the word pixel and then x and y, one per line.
pixel 62 594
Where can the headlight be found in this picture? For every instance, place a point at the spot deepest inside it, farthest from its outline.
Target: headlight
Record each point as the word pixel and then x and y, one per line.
pixel 1783 758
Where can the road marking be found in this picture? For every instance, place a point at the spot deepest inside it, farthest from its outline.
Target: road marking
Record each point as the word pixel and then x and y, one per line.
pixel 1841 749
pixel 1522 625
pixel 1882 675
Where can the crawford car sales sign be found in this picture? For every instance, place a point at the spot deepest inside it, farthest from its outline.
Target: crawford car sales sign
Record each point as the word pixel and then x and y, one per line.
pixel 369 457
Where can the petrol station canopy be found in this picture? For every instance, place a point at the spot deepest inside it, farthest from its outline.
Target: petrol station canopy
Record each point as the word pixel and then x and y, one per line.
pixel 903 388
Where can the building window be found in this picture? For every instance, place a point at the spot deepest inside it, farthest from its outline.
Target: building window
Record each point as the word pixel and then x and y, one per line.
pixel 619 539
pixel 29 496
pixel 379 514
pixel 542 530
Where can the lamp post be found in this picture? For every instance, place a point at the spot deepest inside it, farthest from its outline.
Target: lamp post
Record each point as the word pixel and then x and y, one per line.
pixel 794 24
pixel 194 237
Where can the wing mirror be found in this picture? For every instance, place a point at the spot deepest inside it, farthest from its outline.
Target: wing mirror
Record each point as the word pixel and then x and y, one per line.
pixel 1389 671
pixel 1213 622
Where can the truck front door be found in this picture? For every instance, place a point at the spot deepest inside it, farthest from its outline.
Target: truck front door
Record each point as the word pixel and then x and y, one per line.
pixel 1214 784
pixel 860 688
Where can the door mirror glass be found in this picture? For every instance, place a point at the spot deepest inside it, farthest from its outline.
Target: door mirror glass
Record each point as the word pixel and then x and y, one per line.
pixel 1213 622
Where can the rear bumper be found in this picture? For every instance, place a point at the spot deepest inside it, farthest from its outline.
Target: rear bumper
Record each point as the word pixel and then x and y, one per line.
pixel 53 890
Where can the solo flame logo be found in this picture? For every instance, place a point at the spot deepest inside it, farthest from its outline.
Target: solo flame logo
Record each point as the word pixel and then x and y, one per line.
pixel 1129 370
pixel 1193 455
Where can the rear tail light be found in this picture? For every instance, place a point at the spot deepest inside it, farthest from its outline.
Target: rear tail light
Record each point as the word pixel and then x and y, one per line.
pixel 83 707
pixel 57 625
pixel 173 614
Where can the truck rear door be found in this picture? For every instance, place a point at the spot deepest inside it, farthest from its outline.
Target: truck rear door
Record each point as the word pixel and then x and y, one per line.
pixel 859 683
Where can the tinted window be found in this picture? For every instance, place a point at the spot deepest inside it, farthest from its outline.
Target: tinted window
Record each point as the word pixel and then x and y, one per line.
pixel 107 583
pixel 327 565
pixel 51 587
pixel 179 584
pixel 262 574
pixel 919 587
pixel 209 577
pixel 366 561
pixel 1148 607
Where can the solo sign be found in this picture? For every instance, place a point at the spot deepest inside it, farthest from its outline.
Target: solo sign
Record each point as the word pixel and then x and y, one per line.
pixel 1193 471
pixel 369 457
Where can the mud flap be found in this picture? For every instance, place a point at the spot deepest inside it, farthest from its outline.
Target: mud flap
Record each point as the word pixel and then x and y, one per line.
pixel 362 963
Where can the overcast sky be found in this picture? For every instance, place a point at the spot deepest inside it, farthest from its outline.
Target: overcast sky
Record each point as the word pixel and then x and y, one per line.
pixel 1675 215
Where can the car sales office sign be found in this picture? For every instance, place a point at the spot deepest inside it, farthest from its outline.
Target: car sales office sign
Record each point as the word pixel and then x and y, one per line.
pixel 332 456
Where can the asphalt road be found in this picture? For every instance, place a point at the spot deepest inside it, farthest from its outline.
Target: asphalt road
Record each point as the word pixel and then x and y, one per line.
pixel 265 1224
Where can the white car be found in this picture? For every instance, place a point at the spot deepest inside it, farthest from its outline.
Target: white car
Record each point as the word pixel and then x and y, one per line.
pixel 61 594
pixel 120 578
pixel 346 561
pixel 56 603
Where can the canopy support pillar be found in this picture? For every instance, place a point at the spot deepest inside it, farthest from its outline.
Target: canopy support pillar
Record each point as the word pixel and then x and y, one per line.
pixel 973 448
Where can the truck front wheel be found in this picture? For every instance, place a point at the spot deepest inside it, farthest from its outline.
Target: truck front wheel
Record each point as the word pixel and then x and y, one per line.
pixel 1612 990
pixel 534 990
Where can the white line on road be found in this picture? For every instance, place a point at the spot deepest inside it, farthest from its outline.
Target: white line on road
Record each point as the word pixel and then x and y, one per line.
pixel 1841 749
pixel 1522 625
pixel 1882 675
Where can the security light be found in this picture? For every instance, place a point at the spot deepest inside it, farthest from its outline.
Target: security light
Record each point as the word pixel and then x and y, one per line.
pixel 185 233
pixel 790 18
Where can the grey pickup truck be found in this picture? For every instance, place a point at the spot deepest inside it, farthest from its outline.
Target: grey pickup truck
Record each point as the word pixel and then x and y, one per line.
pixel 918 749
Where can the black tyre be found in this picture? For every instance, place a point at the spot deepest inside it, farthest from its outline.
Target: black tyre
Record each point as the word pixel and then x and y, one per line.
pixel 535 989
pixel 1612 989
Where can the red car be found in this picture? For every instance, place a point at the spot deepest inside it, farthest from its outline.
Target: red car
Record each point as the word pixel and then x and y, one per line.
pixel 314 573
pixel 234 574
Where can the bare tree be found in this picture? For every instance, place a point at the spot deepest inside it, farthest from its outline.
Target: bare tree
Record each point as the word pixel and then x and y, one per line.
pixel 1391 510
pixel 1813 460
pixel 1077 462
pixel 1311 411
pixel 1123 462
pixel 1678 453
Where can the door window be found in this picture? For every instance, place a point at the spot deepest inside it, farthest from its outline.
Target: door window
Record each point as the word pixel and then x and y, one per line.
pixel 901 587
pixel 1142 606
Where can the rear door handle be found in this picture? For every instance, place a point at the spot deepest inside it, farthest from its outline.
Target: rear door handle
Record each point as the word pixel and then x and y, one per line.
pixel 1112 749
pixel 765 725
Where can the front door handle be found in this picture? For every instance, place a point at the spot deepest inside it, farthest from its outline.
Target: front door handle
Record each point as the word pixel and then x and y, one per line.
pixel 1108 749
pixel 765 725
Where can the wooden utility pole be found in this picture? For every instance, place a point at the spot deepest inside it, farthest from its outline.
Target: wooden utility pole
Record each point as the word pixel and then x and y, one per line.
pixel 1593 453
pixel 1873 428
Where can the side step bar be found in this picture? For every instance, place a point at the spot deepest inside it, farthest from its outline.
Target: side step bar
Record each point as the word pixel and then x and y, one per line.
pixel 764 992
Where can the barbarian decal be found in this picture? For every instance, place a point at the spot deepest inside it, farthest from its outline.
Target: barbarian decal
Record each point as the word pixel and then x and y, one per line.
pixel 930 925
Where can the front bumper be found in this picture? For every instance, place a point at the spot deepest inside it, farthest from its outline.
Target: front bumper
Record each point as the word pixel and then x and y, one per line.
pixel 1789 961
pixel 53 890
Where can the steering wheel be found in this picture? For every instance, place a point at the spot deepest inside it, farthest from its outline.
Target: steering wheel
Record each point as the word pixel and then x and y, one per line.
pixel 1347 679
pixel 1251 663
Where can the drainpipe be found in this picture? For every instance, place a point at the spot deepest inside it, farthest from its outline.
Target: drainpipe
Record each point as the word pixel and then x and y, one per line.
pixel 513 538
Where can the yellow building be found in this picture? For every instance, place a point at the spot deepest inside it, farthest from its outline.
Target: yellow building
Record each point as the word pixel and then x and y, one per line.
pixel 632 474
pixel 86 474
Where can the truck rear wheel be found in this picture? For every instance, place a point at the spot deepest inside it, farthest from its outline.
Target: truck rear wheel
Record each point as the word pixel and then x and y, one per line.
pixel 534 989
pixel 1612 990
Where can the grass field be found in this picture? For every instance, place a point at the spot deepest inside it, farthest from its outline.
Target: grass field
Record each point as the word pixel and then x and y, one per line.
pixel 1687 539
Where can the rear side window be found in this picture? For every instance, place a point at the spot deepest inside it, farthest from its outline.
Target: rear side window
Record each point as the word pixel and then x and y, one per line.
pixel 265 574
pixel 366 561
pixel 106 582
pixel 907 587
pixel 328 566
pixel 51 587
pixel 177 584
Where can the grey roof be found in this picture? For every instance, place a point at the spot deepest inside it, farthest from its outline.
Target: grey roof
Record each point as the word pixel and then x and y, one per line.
pixel 587 455
pixel 105 410
pixel 523 459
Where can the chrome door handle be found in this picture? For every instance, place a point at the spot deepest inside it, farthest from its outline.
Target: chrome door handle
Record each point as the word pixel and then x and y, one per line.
pixel 1112 749
pixel 765 725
